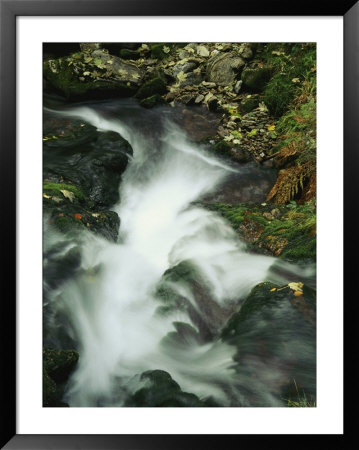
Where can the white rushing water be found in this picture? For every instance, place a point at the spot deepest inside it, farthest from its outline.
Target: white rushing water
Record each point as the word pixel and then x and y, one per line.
pixel 111 306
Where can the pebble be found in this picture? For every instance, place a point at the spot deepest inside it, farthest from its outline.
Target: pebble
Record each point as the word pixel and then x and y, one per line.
pixel 199 98
pixel 209 84
pixel 237 86
pixel 231 125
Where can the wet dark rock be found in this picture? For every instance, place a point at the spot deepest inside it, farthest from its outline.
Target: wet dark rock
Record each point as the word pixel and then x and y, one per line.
pixel 275 328
pixel 250 184
pixel 152 87
pixel 198 122
pixel 57 367
pixel 208 316
pixel 60 266
pixel 162 391
pixel 95 167
pixel 153 100
pixel 64 132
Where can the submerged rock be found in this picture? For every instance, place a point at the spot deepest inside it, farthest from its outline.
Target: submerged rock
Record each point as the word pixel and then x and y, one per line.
pixel 207 315
pixel 275 330
pixel 162 391
pixel 155 86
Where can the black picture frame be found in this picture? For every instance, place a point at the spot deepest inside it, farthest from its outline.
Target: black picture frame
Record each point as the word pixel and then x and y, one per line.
pixel 9 10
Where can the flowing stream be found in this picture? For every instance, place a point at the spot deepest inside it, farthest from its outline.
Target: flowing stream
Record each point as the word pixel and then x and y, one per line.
pixel 111 306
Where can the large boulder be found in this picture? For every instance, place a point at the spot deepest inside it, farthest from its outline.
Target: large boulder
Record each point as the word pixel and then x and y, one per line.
pixel 275 336
pixel 92 74
pixel 224 68
pixel 84 157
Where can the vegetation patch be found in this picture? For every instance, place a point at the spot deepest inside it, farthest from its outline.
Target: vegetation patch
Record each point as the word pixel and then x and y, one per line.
pixel 286 231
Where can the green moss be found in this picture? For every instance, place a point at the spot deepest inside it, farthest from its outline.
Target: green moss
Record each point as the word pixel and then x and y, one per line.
pixel 68 223
pixel 126 53
pixel 278 94
pixel 57 367
pixel 258 298
pixel 256 79
pixel 157 51
pixel 150 102
pixel 48 389
pixel 294 67
pixel 61 75
pixel 292 235
pixel 54 189
pixel 152 87
pixel 222 148
pixel 248 104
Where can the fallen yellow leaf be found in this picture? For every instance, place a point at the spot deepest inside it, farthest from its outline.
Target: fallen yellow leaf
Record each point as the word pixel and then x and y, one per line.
pixel 274 289
pixel 298 293
pixel 296 286
pixel 68 194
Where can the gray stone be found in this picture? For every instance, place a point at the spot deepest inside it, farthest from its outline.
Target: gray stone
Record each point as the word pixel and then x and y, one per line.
pixel 245 51
pixel 185 67
pixel 224 68
pixel 199 98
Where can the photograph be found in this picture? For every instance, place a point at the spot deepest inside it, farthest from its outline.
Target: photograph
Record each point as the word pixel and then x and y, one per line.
pixel 179 224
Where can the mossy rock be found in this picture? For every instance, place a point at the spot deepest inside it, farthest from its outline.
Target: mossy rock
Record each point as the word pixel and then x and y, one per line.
pixel 48 389
pixel 57 367
pixel 155 86
pixel 274 333
pixel 60 132
pixel 261 305
pixel 95 168
pixel 126 53
pixel 154 100
pixel 63 191
pixel 289 234
pixel 248 104
pixel 160 390
pixel 222 148
pixel 71 219
pixel 203 311
pixel 157 51
pixel 256 79
pixel 95 75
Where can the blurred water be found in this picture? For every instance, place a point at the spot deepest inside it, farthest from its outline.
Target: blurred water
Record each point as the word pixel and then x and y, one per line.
pixel 111 310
